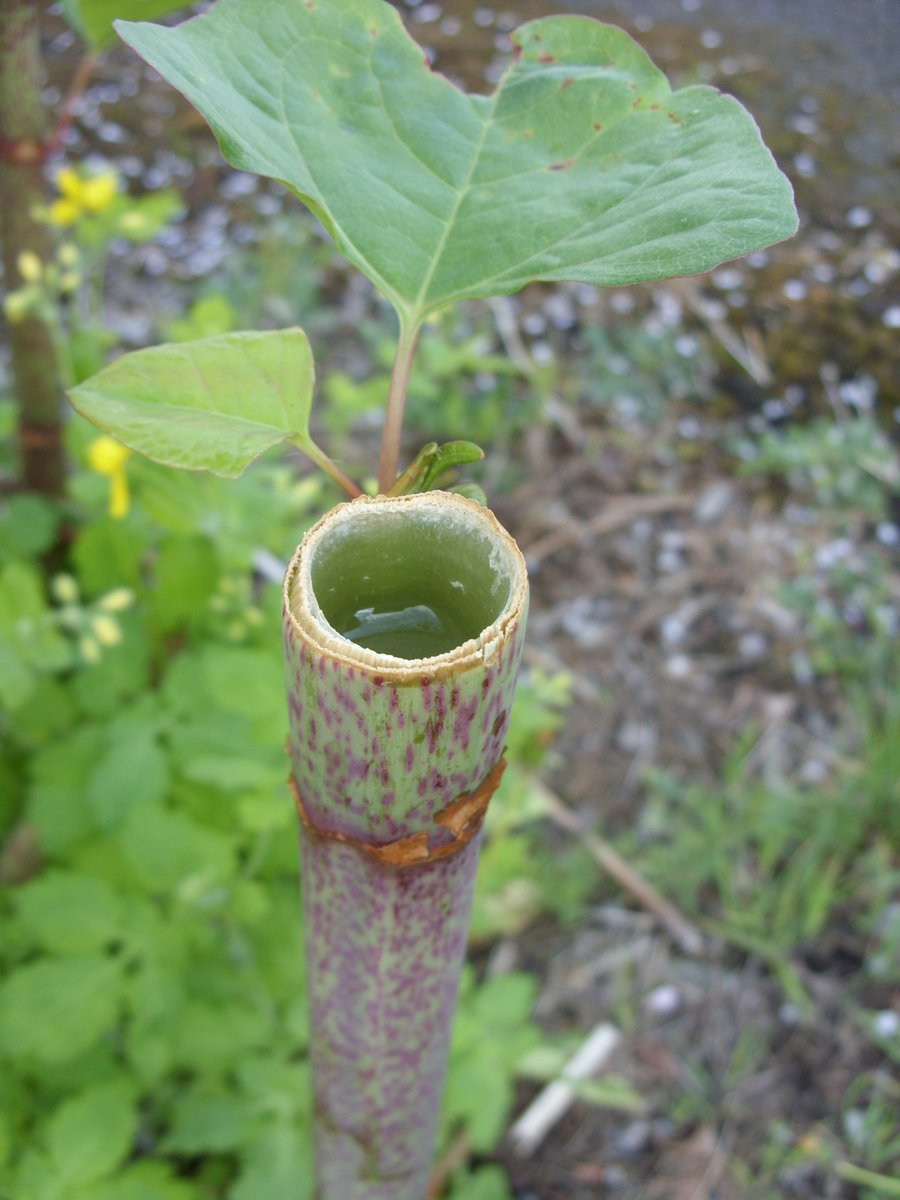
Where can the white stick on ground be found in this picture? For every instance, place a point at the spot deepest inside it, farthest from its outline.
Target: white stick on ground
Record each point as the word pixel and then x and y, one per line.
pixel 551 1105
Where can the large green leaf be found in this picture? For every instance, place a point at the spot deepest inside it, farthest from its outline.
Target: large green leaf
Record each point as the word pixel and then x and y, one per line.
pixel 93 19
pixel 213 405
pixel 583 164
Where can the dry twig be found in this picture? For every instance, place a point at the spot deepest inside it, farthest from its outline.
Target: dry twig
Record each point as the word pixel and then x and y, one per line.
pixel 686 934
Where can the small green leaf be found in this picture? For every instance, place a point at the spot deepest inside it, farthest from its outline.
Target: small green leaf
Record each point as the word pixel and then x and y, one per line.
pixel 145 1180
pixel 204 1122
pixel 582 165
pixel 93 19
pixel 276 1166
pixel 164 849
pixel 212 405
pixel 187 571
pixel 89 1135
pixel 132 772
pixel 54 1009
pixel 69 913
pixel 17 679
pixel 431 462
pixel 28 526
pixel 609 1092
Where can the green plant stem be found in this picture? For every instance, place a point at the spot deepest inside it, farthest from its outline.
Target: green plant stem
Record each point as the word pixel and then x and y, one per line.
pixel 888 1185
pixel 331 469
pixel 393 416
pixel 35 363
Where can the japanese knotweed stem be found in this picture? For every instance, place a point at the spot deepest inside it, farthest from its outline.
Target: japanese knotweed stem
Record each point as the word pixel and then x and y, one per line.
pixel 393 759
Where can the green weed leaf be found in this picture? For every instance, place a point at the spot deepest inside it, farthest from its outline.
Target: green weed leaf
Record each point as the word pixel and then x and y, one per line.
pixel 54 1009
pixel 582 165
pixel 166 849
pixel 205 1121
pixel 212 405
pixel 276 1166
pixel 69 913
pixel 93 19
pixel 132 772
pixel 89 1135
pixel 144 1180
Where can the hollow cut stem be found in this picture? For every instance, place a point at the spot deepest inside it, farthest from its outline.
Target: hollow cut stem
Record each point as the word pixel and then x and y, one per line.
pixel 393 760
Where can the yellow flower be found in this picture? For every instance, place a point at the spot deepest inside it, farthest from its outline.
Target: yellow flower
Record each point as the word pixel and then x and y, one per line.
pixel 64 213
pixel 30 266
pixel 78 196
pixel 107 457
pixel 98 193
pixel 68 184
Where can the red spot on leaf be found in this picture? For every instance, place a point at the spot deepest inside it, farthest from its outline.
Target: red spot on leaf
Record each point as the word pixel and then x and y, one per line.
pixel 517 51
pixel 561 166
pixel 566 83
pixel 498 723
pixel 597 126
pixel 546 58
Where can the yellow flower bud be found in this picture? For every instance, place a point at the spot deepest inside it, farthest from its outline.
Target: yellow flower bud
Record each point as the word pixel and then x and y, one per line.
pixel 107 631
pixel 67 255
pixel 117 600
pixel 90 651
pixel 133 222
pixel 65 589
pixel 16 306
pixel 69 281
pixel 30 266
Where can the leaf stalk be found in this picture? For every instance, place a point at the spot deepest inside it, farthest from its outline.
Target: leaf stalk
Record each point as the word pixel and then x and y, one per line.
pixel 329 466
pixel 396 401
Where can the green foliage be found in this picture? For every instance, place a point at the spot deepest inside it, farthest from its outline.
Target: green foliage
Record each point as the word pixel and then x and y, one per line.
pixel 436 227
pixel 152 1020
pixel 491 1037
pixel 846 466
pixel 611 177
pixel 765 868
pixel 457 382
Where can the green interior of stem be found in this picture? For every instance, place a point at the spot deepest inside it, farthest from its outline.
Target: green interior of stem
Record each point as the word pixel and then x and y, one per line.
pixel 410 584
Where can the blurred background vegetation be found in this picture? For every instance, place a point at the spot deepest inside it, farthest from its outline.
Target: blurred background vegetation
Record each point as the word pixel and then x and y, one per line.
pixel 704 477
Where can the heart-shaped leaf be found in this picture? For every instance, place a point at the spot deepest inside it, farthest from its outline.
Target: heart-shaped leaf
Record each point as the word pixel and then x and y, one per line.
pixel 211 405
pixel 583 164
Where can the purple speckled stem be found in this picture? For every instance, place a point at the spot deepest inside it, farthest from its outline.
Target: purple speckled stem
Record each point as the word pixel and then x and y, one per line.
pixel 379 746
